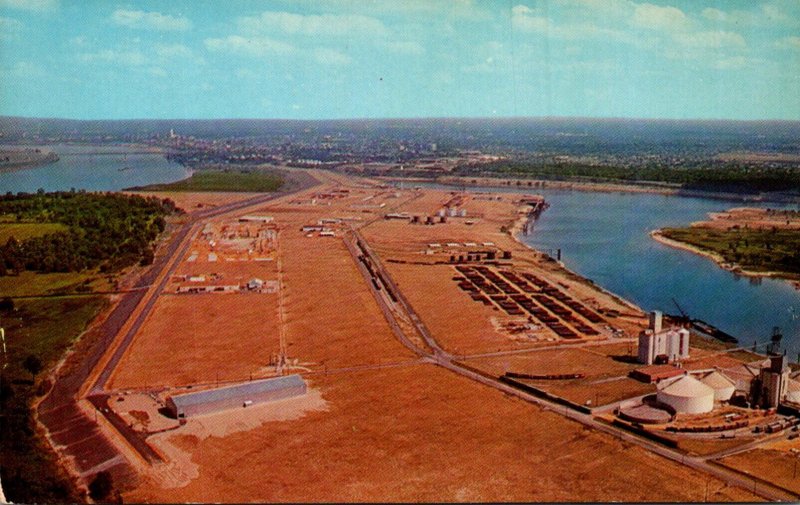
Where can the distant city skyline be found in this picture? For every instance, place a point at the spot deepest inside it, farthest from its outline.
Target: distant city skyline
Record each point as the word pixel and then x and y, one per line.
pixel 202 59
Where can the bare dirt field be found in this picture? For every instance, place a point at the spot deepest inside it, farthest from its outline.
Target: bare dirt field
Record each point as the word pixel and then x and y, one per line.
pixel 201 338
pixel 775 462
pixel 606 378
pixel 442 437
pixel 460 324
pixel 752 218
pixel 377 424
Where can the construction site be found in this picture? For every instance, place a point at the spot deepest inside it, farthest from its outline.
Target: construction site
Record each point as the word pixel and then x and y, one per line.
pixel 366 335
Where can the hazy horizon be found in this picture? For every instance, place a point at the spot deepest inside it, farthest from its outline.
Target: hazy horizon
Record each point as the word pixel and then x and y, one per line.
pixel 408 118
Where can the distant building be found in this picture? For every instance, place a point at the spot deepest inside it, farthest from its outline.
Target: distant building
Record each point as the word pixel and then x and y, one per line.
pixel 255 219
pixel 662 346
pixel 255 283
pixel 238 395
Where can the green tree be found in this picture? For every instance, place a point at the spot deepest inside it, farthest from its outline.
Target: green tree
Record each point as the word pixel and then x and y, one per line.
pixel 33 365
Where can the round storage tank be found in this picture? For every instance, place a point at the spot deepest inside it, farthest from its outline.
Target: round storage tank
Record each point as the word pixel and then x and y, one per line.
pixel 687 395
pixel 723 387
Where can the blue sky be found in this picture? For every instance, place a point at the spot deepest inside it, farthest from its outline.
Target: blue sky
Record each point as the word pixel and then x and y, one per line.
pixel 389 58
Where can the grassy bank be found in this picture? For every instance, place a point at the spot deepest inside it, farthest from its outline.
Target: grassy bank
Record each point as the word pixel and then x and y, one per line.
pixel 760 251
pixel 23 231
pixel 234 181
pixel 38 332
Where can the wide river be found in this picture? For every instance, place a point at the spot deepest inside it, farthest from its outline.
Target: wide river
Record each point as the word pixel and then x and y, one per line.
pixel 605 237
pixel 94 168
pixel 602 236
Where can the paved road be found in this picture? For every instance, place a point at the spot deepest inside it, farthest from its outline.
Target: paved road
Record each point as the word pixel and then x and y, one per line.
pixel 69 429
pixel 445 360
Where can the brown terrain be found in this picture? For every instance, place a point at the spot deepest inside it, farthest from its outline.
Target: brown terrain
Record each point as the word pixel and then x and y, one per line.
pixel 751 218
pixel 384 419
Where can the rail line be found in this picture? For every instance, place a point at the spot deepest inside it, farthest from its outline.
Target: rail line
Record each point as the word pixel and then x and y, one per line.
pixel 67 426
pixel 446 360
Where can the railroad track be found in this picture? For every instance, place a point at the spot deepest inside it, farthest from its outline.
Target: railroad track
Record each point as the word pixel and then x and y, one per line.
pixel 440 357
pixel 68 427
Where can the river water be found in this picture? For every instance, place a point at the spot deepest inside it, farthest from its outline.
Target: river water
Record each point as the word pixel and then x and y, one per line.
pixel 602 236
pixel 94 168
pixel 605 237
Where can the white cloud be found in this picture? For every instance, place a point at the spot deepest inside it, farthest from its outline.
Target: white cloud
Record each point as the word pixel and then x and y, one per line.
pixel 792 42
pixel 79 41
pixel 32 5
pixel 26 69
pixel 177 52
pixel 733 62
pixel 245 73
pixel 250 46
pixel 769 14
pixel 715 14
pixel 653 17
pixel 331 57
pixel 150 20
pixel 313 25
pixel 405 47
pixel 129 58
pixel 157 71
pixel 524 19
pixel 710 40
pixel 774 14
pixel 9 27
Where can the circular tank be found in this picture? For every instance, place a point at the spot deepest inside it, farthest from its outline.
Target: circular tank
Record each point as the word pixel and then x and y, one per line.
pixel 723 387
pixel 687 395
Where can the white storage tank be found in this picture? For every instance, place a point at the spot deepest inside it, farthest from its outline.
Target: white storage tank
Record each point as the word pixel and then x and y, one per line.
pixel 723 387
pixel 686 395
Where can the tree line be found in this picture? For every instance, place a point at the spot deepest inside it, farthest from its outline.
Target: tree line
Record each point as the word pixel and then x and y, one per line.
pixel 108 231
pixel 731 177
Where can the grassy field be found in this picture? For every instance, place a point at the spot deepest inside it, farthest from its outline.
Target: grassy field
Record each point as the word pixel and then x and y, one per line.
pixel 22 231
pixel 238 181
pixel 772 250
pixel 33 284
pixel 44 329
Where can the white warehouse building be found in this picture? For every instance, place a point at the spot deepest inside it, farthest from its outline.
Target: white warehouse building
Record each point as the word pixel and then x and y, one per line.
pixel 237 395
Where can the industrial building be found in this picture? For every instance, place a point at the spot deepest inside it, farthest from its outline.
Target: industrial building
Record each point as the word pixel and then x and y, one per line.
pixel 657 345
pixel 686 395
pixel 771 386
pixel 238 395
pixel 255 219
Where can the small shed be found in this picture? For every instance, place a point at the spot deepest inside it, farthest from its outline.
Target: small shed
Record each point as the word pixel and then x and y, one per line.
pixel 237 395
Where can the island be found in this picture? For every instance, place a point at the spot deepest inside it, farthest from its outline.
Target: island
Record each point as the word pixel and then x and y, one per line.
pixel 750 241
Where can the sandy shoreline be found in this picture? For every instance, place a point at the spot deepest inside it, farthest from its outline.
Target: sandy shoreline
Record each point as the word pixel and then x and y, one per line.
pixel 719 260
